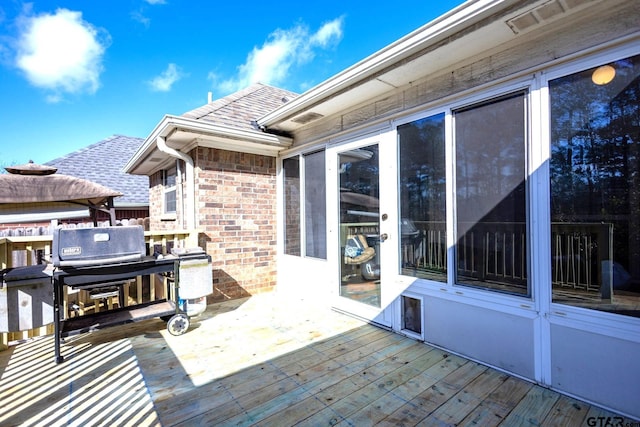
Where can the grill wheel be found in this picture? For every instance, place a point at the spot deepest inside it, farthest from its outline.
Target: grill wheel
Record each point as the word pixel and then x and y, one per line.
pixel 178 324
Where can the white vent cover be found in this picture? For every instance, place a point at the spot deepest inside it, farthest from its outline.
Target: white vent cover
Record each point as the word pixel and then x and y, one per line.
pixel 545 12
pixel 306 118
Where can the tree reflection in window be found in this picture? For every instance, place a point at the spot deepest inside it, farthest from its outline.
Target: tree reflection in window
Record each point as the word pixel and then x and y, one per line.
pixel 595 189
pixel 422 192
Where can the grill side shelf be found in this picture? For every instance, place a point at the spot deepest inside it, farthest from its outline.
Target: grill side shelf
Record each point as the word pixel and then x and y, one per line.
pixel 119 316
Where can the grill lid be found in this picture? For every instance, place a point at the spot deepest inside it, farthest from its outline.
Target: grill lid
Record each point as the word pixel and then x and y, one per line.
pixel 99 245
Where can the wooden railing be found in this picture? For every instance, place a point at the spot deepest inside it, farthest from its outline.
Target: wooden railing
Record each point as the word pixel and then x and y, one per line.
pixel 578 252
pixel 427 249
pixel 495 252
pixel 18 251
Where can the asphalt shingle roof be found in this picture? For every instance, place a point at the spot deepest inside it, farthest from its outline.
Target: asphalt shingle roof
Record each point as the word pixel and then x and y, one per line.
pixel 102 163
pixel 241 108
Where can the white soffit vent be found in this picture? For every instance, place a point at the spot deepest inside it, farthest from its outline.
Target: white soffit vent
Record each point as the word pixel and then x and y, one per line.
pixel 545 12
pixel 306 118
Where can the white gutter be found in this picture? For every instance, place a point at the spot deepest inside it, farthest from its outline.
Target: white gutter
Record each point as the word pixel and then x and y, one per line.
pixel 190 213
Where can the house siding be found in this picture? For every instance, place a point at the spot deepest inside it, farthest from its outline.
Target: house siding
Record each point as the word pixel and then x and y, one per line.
pixel 236 205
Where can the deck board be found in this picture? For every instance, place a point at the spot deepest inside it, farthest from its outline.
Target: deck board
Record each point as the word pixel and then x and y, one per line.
pixel 492 410
pixel 248 362
pixel 533 408
pixel 566 412
pixel 467 399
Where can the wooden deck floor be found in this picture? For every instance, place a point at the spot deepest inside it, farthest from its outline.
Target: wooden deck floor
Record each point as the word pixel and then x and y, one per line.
pixel 259 362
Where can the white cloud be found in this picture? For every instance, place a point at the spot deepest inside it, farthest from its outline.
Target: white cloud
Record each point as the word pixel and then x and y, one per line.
pixel 166 79
pixel 138 16
pixel 284 49
pixel 330 32
pixel 61 53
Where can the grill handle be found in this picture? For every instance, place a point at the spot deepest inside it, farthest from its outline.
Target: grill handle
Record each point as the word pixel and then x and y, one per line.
pixel 95 262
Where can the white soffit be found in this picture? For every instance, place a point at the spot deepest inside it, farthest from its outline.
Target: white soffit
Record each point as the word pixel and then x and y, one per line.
pixel 185 140
pixel 429 51
pixel 184 134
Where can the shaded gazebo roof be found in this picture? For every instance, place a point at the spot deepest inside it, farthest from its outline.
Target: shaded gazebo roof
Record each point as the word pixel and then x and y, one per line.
pixel 33 187
pixel 33 183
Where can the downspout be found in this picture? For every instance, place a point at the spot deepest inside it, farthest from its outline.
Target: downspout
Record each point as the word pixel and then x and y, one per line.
pixel 190 214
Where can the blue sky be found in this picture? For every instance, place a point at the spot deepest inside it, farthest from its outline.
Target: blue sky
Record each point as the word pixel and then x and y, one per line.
pixel 74 72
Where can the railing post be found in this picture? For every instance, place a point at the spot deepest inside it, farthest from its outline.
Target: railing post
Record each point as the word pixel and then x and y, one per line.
pixel 4 258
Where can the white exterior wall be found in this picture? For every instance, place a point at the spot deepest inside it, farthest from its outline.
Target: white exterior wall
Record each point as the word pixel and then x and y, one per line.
pixel 501 339
pixel 584 353
pixel 596 365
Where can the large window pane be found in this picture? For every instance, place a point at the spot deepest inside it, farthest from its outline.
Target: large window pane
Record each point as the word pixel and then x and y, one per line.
pixel 315 205
pixel 423 245
pixel 595 188
pixel 491 196
pixel 291 169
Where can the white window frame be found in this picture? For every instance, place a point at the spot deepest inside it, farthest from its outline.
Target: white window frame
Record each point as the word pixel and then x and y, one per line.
pixel 167 190
pixel 510 303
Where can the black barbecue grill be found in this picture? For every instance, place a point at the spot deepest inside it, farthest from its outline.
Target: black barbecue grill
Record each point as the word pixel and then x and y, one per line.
pixel 96 259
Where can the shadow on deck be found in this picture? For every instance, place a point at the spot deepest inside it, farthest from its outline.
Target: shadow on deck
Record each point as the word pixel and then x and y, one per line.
pixel 258 361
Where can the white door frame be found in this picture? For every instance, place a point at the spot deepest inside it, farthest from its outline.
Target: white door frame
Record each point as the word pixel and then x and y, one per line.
pixel 382 316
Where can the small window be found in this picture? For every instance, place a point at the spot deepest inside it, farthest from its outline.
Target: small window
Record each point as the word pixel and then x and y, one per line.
pixel 169 186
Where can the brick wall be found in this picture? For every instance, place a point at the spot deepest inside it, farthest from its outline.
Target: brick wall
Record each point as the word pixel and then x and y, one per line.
pixel 236 207
pixel 155 201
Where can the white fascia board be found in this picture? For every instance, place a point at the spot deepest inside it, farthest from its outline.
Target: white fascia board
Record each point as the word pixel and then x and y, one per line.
pixel 419 39
pixel 202 130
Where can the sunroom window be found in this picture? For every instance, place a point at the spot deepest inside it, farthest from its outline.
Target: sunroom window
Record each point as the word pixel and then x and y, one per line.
pixel 291 195
pixel 306 197
pixel 422 193
pixel 595 187
pixel 491 195
pixel 315 200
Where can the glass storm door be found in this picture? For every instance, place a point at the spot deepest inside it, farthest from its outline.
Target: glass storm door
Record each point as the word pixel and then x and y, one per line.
pixel 360 242
pixel 360 225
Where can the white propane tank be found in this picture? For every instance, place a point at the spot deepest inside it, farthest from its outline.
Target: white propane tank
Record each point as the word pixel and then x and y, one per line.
pixel 194 306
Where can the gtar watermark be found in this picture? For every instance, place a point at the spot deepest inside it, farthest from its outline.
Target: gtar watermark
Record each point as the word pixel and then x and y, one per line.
pixel 611 422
